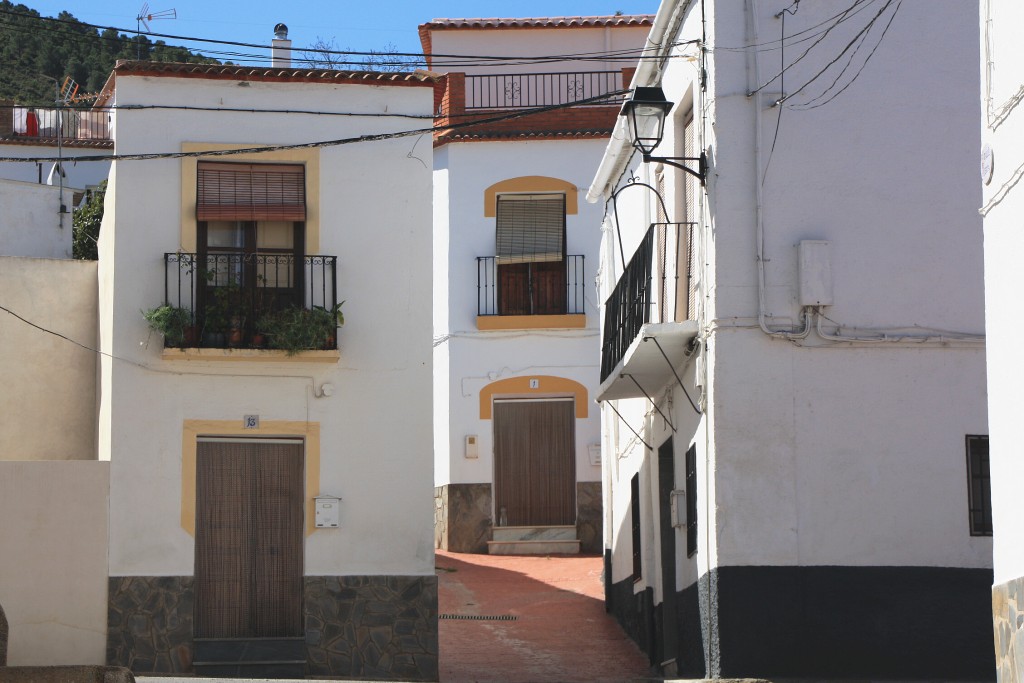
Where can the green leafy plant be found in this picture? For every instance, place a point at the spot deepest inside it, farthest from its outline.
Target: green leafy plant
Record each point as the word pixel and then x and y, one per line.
pixel 299 329
pixel 175 324
pixel 86 225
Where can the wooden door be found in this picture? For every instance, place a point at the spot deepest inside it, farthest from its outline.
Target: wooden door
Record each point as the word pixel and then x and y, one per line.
pixel 669 626
pixel 534 462
pixel 532 288
pixel 249 542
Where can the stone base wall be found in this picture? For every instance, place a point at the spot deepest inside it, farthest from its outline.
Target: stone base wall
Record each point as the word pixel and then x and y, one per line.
pixel 589 517
pixel 1008 627
pixel 149 623
pixel 372 627
pixel 462 517
pixel 369 627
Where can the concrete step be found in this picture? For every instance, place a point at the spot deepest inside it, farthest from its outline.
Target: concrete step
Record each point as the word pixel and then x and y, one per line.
pixel 555 547
pixel 534 533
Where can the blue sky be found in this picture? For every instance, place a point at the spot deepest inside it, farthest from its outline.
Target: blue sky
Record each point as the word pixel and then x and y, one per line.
pixel 352 25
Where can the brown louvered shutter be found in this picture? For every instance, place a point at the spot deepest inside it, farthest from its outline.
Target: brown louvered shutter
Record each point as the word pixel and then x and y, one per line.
pixel 530 228
pixel 250 192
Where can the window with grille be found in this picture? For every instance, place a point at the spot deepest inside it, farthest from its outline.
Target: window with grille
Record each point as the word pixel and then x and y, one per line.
pixel 634 504
pixel 979 487
pixel 530 253
pixel 691 501
pixel 250 234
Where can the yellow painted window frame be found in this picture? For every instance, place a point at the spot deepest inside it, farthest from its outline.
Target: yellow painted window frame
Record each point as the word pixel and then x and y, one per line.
pixel 310 158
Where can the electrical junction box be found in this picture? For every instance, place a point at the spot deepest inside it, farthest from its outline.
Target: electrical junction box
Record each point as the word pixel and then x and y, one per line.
pixel 472 447
pixel 327 512
pixel 595 453
pixel 677 504
pixel 815 273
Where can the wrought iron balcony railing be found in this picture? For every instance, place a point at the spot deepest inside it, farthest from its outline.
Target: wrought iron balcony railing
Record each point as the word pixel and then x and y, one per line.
pixel 252 299
pixel 71 123
pixel 657 285
pixel 544 288
pixel 509 91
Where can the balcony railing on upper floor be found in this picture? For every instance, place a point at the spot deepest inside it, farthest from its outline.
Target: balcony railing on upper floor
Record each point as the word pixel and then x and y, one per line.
pixel 544 288
pixel 70 123
pixel 510 91
pixel 657 285
pixel 252 300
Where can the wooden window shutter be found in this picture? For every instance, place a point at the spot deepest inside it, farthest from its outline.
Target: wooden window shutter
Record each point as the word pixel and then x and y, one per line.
pixel 250 192
pixel 530 228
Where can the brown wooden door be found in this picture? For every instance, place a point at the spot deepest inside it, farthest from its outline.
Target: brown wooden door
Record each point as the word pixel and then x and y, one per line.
pixel 248 552
pixel 534 462
pixel 532 288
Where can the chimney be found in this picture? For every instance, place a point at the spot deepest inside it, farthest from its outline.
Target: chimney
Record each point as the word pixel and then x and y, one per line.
pixel 281 48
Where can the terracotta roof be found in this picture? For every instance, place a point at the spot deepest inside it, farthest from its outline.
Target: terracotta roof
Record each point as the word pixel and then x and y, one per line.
pixel 525 135
pixel 264 73
pixel 541 22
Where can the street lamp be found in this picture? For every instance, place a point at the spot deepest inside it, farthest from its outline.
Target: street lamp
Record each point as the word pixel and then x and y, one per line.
pixel 645 117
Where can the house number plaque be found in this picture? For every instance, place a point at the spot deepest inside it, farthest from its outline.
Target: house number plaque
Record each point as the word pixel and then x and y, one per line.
pixel 251 422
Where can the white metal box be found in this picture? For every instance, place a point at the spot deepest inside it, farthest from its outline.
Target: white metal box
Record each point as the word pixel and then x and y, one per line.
pixel 815 273
pixel 327 512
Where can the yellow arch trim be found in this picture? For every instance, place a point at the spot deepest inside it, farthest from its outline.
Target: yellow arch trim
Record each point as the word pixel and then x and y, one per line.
pixel 546 386
pixel 531 183
pixel 192 429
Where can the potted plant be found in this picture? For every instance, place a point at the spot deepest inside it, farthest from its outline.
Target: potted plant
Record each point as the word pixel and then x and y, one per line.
pixel 328 320
pixel 298 329
pixel 174 323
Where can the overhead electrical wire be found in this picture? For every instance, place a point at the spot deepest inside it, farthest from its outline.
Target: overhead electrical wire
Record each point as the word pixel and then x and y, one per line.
pixel 745 48
pixel 849 45
pixel 620 55
pixel 252 110
pixel 786 67
pixel 323 143
pixel 803 106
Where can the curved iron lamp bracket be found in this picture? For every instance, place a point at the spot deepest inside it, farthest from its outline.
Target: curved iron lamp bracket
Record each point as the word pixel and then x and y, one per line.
pixel 633 182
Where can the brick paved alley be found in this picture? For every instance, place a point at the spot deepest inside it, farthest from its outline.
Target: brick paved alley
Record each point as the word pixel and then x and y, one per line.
pixel 561 632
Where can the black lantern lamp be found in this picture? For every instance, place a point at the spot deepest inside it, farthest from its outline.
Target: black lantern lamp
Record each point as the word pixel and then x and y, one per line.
pixel 645 115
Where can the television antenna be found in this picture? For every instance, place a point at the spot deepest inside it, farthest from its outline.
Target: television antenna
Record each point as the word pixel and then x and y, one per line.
pixel 144 17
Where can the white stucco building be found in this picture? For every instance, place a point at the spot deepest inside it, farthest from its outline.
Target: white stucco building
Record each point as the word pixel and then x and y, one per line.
pixel 793 364
pixel 1002 166
pixel 515 317
pixel 257 495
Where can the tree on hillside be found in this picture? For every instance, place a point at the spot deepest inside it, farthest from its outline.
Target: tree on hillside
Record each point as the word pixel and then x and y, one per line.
pixel 86 225
pixel 36 52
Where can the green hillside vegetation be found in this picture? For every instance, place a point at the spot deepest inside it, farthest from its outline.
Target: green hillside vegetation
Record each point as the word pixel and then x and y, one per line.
pixel 31 49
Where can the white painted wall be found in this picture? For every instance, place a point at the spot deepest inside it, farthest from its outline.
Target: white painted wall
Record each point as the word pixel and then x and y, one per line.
pixel 80 175
pixel 473 358
pixel 1002 58
pixel 535 42
pixel 53 568
pixel 825 453
pixel 49 398
pixel 30 222
pixel 376 432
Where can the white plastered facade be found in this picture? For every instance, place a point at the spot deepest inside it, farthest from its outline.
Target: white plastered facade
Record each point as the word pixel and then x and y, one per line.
pixel 812 452
pixel 373 213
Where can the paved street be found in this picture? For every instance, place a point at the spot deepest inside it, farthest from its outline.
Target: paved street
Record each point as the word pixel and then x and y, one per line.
pixel 561 631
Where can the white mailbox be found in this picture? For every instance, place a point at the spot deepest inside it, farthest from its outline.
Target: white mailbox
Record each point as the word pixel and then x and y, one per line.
pixel 327 512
